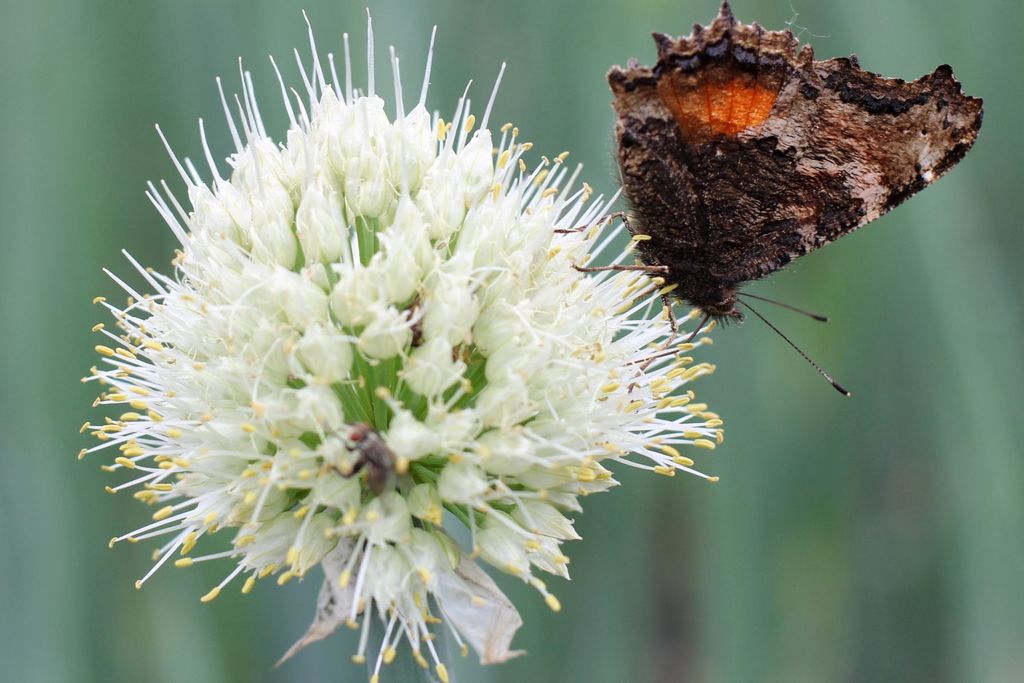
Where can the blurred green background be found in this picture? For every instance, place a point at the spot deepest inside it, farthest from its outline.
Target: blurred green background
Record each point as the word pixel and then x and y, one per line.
pixel 872 538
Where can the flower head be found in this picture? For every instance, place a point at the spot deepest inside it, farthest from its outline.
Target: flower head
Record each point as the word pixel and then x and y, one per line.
pixel 376 330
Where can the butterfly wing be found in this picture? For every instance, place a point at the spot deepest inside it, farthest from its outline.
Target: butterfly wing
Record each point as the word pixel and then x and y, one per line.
pixel 739 152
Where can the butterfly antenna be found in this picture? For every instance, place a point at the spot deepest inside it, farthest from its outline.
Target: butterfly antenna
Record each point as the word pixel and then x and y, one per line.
pixel 699 327
pixel 815 316
pixel 838 387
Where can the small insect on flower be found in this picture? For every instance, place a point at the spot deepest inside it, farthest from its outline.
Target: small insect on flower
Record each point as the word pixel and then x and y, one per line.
pixel 377 333
pixel 374 456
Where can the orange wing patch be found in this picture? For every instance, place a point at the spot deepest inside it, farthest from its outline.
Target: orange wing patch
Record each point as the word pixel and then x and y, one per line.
pixel 707 108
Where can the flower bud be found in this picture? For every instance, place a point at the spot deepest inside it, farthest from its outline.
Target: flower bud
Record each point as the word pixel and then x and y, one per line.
pixel 387 334
pixel 462 482
pixel 324 353
pixel 320 224
pixel 502 547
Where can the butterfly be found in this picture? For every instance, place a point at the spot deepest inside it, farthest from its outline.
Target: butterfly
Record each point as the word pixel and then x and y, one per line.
pixel 739 152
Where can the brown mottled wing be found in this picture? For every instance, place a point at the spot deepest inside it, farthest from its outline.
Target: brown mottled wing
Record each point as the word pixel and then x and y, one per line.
pixel 740 153
pixel 860 145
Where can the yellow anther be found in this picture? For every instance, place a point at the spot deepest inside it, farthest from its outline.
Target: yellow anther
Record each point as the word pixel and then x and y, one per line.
pixel 665 290
pixel 147 497
pixel 268 570
pixel 344 578
pixel 292 556
pixel 85 425
pixel 442 672
pixel 522 166
pixel 704 443
pixel 420 659
pixel 503 159
pixel 714 422
pixel 624 307
pixel 154 416
pixel 610 387
pixel 526 146
pixel 682 460
pixel 248 585
pixel 184 562
pixel 389 655
pixel 161 487
pixel 553 603
pixel 442 130
pixel 696 407
pixel 125 353
pixel 152 345
pixel 285 577
pixel 470 122
pixel 434 515
pixel 109 489
pixel 248 427
pixel 214 592
pixel 665 470
pixel 163 513
pixel 713 480
pixel 249 498
pixel 300 513
pixel 189 543
pixel 641 238
pixel 586 475
pixel 81 453
pixel 562 157
pixel 505 127
pixel 99 299
pixel 244 540
pixel 97 327
pixel 551 191
pixel 540 178
pixel 138 404
pixel 130 417
pixel 104 350
pixel 664 403
pixel 720 435
pixel 632 405
pixel 668 450
pixel 125 462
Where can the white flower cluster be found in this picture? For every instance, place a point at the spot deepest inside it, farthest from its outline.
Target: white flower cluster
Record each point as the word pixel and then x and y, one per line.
pixel 379 321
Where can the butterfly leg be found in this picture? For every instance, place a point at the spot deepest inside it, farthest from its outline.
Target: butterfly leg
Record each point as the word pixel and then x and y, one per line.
pixel 612 217
pixel 653 270
pixel 671 314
